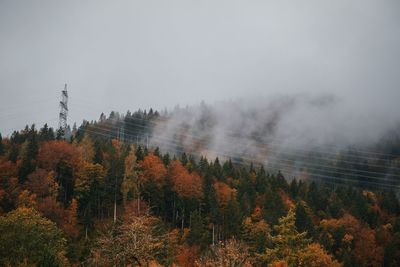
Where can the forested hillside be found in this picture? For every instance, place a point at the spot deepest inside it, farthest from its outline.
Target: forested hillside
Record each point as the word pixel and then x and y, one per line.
pixel 104 196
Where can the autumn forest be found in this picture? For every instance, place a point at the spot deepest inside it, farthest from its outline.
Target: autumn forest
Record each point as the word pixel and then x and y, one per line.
pixel 94 199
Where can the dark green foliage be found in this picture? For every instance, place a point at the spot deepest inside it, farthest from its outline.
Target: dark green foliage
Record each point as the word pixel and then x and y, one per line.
pixel 217 169
pixel 60 134
pixel 396 225
pixel 294 189
pixel 46 133
pixel 203 166
pixel 1 145
pixel 66 183
pixel 184 159
pixel 157 152
pixel 280 182
pixel 261 181
pixel 228 169
pixel 390 202
pixel 98 152
pixel 140 153
pixel 198 234
pixel 232 218
pixel 26 235
pixel 210 200
pixel 273 207
pixel 335 206
pixel 315 198
pixel 246 193
pixel 13 155
pixel 28 160
pixel 166 159
pixel 360 208
pixel 392 252
pixel 303 220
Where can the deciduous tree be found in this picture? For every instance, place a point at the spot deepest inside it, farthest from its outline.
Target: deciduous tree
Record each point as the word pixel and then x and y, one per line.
pixel 185 184
pixel 153 170
pixel 28 238
pixel 132 243
pixel 231 253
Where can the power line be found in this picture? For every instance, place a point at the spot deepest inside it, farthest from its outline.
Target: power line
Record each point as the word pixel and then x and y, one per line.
pixel 262 137
pixel 268 158
pixel 310 173
pixel 270 144
pixel 301 155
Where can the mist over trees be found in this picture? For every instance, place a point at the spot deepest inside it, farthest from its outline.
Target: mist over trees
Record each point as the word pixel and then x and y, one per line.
pixel 108 196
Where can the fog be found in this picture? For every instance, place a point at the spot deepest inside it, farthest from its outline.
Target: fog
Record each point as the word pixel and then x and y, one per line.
pixel 331 68
pixel 252 128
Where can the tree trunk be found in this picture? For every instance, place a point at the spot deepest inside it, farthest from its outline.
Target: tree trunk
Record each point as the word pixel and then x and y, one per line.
pixel 183 218
pixel 138 201
pixel 213 235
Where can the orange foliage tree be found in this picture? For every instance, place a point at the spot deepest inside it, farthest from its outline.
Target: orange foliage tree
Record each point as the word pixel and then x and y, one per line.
pixel 186 256
pixel 359 239
pixel 42 183
pixel 153 170
pixel 185 184
pixel 316 256
pixel 66 219
pixel 52 153
pixel 65 160
pixel 224 193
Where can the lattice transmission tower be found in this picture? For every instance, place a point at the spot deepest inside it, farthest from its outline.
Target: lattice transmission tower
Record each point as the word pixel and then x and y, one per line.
pixel 62 124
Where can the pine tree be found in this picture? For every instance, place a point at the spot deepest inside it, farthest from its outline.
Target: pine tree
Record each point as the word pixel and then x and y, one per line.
pixel 233 218
pixel 273 207
pixel 184 159
pixel 139 153
pixel 261 181
pixel 303 220
pixel 166 159
pixel 294 188
pixel 288 243
pixel 157 152
pixel 217 169
pixel 32 149
pixel 60 134
pixel 203 166
pixel 228 169
pixel 246 192
pixel 13 155
pixel 46 133
pixel 1 145
pixel 313 197
pixel 210 199
pixel 198 234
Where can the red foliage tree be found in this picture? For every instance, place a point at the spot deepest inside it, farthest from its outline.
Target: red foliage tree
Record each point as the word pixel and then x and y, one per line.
pixel 9 189
pixel 42 183
pixel 52 153
pixel 224 193
pixel 185 184
pixel 153 170
pixel 66 219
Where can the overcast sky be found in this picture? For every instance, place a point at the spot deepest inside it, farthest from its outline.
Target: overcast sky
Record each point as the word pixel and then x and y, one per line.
pixel 154 53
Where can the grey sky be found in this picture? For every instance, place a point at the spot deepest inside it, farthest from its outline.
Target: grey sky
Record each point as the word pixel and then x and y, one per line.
pixel 152 53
